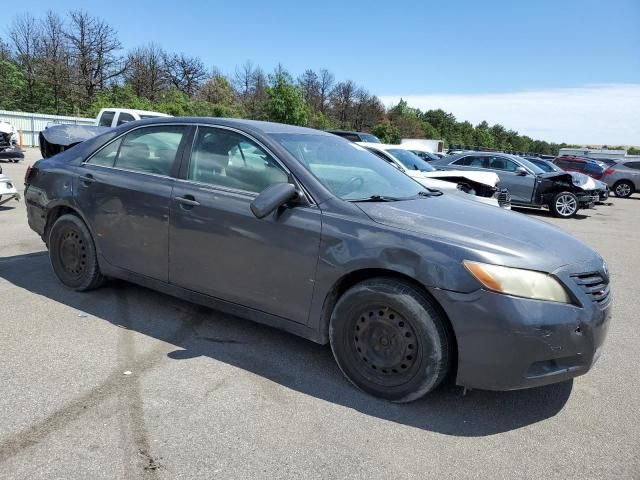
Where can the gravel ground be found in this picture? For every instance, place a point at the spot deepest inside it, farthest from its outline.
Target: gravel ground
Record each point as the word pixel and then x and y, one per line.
pixel 124 382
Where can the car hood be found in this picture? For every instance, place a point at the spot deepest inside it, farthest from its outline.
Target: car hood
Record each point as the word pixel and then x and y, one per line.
pixel 566 177
pixel 483 232
pixel 487 178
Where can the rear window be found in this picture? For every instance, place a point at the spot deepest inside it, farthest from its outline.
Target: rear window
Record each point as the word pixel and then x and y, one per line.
pixel 125 118
pixel 106 119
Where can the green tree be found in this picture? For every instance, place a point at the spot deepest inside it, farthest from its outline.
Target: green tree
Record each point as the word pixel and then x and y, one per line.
pixel 633 151
pixel 284 100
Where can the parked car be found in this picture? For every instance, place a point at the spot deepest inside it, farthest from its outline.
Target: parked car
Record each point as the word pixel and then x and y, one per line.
pixel 480 185
pixel 528 185
pixel 324 240
pixel 8 190
pixel 588 166
pixel 356 136
pixel 583 180
pixel 113 117
pixel 624 177
pixel 9 143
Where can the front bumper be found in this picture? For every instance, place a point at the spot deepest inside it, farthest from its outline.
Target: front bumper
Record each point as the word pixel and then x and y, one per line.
pixel 509 343
pixel 588 200
pixel 11 153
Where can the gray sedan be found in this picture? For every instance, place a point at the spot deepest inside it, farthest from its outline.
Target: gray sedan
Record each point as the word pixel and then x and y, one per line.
pixel 307 232
pixel 527 183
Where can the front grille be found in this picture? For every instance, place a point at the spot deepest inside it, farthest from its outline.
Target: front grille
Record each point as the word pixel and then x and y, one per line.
pixel 504 198
pixel 595 285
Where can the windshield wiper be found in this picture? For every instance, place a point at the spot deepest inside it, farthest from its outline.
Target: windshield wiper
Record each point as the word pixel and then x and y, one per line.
pixel 430 192
pixel 377 198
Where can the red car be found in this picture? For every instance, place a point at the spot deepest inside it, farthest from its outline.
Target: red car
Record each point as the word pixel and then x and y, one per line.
pixel 588 166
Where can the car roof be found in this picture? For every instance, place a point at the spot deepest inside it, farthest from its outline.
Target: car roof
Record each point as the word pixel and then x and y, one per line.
pixel 253 125
pixel 134 110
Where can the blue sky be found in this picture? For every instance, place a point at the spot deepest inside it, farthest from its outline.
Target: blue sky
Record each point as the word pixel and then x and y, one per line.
pixel 416 49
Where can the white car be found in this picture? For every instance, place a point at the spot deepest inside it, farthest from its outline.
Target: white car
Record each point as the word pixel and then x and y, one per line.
pixel 8 189
pixel 481 185
pixel 112 117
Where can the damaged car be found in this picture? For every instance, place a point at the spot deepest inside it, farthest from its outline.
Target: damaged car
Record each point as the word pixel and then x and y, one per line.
pixel 9 149
pixel 482 186
pixel 8 190
pixel 307 232
pixel 528 184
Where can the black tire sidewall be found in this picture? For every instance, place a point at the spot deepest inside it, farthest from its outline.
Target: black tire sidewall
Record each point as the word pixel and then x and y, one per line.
pixel 432 352
pixel 91 276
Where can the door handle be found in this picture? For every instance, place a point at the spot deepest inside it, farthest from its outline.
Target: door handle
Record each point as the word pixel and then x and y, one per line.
pixel 87 179
pixel 188 200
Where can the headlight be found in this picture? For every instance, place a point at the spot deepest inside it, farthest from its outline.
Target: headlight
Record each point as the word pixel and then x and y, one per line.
pixel 518 282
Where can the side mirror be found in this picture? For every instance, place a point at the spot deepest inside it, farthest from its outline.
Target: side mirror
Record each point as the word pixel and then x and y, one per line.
pixel 272 198
pixel 521 172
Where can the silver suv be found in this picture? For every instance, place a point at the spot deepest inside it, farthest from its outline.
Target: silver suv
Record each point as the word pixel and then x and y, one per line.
pixel 623 178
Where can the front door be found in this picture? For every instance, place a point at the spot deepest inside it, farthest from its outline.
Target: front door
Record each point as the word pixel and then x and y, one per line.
pixel 520 186
pixel 124 191
pixel 218 247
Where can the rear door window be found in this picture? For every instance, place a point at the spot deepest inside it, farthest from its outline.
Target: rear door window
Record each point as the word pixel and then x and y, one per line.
pixel 150 149
pixel 125 117
pixel 106 118
pixel 634 165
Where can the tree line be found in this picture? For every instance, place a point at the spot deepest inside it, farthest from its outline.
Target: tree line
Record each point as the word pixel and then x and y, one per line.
pixel 75 65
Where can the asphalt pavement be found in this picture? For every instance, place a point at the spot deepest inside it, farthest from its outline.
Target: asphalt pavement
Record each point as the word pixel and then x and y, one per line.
pixel 125 382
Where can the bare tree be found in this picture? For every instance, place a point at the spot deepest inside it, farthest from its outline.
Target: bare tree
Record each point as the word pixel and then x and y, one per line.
pixel 185 73
pixel 326 82
pixel 5 50
pixel 94 45
pixel 310 85
pixel 342 98
pixel 146 72
pixel 243 78
pixel 26 35
pixel 55 69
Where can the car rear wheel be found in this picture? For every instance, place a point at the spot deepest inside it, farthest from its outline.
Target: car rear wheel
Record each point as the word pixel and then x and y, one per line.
pixel 390 340
pixel 73 254
pixel 564 205
pixel 623 189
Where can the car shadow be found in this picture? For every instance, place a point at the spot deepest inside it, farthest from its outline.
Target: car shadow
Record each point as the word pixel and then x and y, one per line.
pixel 546 213
pixel 282 358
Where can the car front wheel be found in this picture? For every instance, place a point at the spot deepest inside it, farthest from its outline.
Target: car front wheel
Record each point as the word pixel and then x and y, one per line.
pixel 564 205
pixel 73 254
pixel 390 340
pixel 623 189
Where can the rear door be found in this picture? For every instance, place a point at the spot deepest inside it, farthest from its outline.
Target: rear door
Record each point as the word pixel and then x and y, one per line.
pixel 219 248
pixel 124 190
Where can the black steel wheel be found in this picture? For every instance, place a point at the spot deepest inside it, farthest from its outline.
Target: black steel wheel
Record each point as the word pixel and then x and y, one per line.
pixel 73 254
pixel 390 340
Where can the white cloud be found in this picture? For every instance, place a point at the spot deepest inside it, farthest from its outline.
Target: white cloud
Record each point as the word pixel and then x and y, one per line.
pixel 593 114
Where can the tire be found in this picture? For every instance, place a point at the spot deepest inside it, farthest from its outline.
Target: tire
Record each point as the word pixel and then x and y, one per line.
pixel 390 340
pixel 73 254
pixel 564 205
pixel 623 189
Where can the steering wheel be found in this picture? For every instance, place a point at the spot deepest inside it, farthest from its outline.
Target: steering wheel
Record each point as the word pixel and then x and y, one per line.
pixel 351 185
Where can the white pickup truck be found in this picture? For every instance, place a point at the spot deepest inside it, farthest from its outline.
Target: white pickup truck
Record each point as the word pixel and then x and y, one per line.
pixel 112 117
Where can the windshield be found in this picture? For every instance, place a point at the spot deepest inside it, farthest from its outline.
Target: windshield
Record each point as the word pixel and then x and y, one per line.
pixel 369 138
pixel 547 166
pixel 346 169
pixel 530 165
pixel 410 160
